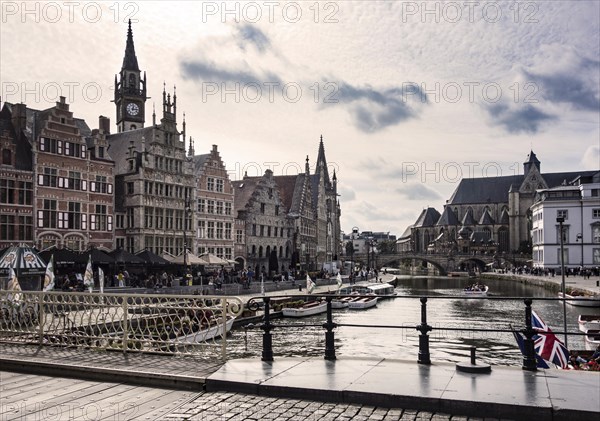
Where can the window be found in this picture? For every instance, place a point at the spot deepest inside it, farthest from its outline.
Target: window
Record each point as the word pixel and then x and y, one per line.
pixel 596 234
pixel 148 217
pixel 48 177
pixel 276 209
pixel 101 185
pixel 228 254
pixel 179 220
pixel 596 213
pixel 596 256
pixel 562 213
pixel 210 184
pixel 262 208
pixel 25 192
pixel 6 157
pixel 74 180
pixel 565 254
pixel 219 208
pixel 565 234
pixel 7 191
pixel 228 230
pixel 269 231
pixel 120 222
pixel 100 220
pixel 74 216
pixel 201 229
pixel 159 218
pixel 74 243
pixel 7 227
pixel 211 206
pixel 262 230
pixel 227 208
pixel 47 217
pixel 239 236
pixel 254 229
pixel 100 151
pixel 210 231
pixel 130 188
pixel 219 230
pixel 130 218
pixel 201 205
pixel 25 228
pixel 169 219
pixel 219 185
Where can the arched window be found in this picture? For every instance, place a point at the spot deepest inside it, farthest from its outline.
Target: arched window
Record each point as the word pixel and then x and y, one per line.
pixel 268 251
pixel 287 252
pixel 132 81
pixel 132 127
pixel 260 251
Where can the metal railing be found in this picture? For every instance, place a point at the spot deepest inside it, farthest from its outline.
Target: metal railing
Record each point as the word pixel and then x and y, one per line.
pixel 424 356
pixel 162 324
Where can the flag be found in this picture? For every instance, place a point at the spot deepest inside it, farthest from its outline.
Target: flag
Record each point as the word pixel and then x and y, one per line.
pixel 13 285
pixel 521 342
pixel 310 285
pixel 49 275
pixel 339 280
pixel 88 276
pixel 547 345
pixel 101 280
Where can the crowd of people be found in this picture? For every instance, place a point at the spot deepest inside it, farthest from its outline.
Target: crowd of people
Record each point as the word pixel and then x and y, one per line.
pixel 578 362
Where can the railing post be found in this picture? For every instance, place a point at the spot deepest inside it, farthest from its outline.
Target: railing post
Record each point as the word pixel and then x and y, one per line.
pixel 424 357
pixel 224 309
pixel 41 317
pixel 267 351
pixel 529 360
pixel 125 324
pixel 329 335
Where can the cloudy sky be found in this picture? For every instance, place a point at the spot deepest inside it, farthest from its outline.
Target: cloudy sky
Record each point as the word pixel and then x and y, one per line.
pixel 409 96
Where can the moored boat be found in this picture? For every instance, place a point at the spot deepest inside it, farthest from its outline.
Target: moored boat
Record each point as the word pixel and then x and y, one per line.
pixel 213 330
pixel 308 309
pixel 362 303
pixel 588 321
pixel 592 339
pixel 342 302
pixel 581 300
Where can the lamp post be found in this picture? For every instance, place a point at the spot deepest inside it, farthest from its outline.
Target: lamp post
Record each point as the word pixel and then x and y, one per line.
pixel 560 221
pixel 187 210
pixel 355 231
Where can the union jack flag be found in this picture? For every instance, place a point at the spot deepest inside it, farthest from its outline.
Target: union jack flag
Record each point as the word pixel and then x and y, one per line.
pixel 547 345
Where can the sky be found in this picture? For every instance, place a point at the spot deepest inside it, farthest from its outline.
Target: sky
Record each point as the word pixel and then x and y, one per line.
pixel 409 96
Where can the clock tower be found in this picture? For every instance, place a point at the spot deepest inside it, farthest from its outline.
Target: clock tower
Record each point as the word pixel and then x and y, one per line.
pixel 130 90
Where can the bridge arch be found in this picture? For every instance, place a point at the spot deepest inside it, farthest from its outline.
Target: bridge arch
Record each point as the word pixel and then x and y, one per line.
pixel 387 260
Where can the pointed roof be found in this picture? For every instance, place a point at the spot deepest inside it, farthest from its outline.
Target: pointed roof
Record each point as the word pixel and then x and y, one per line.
pixel 321 168
pixel 468 218
pixel 486 218
pixel 448 217
pixel 532 159
pixel 130 60
pixel 504 220
pixel 428 218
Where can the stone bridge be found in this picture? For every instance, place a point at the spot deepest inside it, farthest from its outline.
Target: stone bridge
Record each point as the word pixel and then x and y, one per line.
pixel 444 262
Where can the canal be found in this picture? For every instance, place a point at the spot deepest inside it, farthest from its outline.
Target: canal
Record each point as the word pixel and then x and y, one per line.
pixel 445 345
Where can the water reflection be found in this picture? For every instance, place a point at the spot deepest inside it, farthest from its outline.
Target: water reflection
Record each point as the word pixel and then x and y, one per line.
pixel 445 344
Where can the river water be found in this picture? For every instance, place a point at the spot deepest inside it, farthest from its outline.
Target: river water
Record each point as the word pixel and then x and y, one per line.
pixel 445 345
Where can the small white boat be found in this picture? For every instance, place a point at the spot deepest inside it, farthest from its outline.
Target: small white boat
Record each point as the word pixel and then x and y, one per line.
pixel 476 290
pixel 592 339
pixel 581 300
pixel 214 330
pixel 382 290
pixel 362 303
pixel 308 309
pixel 588 322
pixel 339 303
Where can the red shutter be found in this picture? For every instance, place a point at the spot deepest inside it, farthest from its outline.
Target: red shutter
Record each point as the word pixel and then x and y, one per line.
pixel 83 184
pixel 84 221
pixel 110 189
pixel 110 222
pixel 40 179
pixel 41 219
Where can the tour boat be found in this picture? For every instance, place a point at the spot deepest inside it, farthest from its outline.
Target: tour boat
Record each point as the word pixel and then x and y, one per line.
pixel 592 339
pixel 589 322
pixel 308 309
pixel 476 290
pixel 214 329
pixel 342 302
pixel 382 290
pixel 362 303
pixel 581 300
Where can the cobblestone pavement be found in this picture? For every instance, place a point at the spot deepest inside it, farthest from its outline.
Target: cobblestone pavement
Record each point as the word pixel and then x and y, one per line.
pixel 237 407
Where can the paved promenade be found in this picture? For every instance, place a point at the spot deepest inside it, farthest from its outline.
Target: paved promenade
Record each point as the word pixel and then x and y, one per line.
pixel 61 383
pixel 590 284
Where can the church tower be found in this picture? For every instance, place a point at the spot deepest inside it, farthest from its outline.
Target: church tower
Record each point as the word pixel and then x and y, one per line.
pixel 130 90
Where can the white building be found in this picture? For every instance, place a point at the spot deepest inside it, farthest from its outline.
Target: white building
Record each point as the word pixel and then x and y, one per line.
pixel 578 203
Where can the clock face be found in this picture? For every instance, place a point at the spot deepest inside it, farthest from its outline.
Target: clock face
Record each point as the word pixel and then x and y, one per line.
pixel 133 109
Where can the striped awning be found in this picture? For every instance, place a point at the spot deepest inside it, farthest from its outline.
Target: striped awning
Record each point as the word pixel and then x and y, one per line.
pixel 24 260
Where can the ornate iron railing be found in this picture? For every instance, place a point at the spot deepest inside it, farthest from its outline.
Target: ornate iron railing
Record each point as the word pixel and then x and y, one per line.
pixel 164 324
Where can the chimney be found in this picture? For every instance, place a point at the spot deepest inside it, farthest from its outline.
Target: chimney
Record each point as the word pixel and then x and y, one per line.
pixel 19 117
pixel 104 124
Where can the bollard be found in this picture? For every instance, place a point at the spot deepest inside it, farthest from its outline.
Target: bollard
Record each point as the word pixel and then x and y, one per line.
pixel 267 351
pixel 329 335
pixel 472 367
pixel 424 357
pixel 473 355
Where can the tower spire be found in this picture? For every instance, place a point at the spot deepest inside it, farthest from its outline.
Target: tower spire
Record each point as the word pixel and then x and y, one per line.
pixel 130 60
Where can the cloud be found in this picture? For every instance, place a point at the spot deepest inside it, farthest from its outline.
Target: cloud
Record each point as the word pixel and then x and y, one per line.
pixel 418 191
pixel 526 119
pixel 249 34
pixel 374 109
pixel 210 72
pixel 591 158
pixel 346 194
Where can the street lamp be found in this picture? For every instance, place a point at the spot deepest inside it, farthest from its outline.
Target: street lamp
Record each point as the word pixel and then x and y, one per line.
pixel 355 231
pixel 560 221
pixel 186 212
